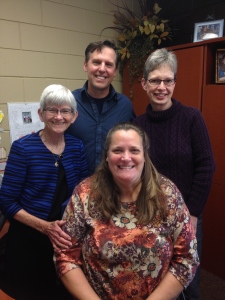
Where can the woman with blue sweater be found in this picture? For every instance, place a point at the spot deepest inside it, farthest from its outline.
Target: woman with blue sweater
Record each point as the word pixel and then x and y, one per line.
pixel 41 172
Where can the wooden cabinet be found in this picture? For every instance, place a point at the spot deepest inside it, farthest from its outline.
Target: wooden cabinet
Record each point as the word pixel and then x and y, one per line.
pixel 188 87
pixel 135 92
pixel 196 87
pixel 3 296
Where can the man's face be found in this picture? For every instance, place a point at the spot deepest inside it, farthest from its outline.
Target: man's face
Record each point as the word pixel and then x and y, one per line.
pixel 101 69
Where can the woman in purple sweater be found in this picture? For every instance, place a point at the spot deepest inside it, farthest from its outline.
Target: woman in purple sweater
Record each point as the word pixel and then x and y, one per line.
pixel 180 145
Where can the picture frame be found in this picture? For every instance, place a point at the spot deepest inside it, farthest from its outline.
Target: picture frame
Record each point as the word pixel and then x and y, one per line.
pixel 220 66
pixel 211 28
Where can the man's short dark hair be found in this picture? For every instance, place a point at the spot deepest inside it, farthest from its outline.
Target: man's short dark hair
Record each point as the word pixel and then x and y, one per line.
pixel 99 45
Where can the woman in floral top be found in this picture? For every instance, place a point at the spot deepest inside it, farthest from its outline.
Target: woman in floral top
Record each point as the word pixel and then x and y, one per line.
pixel 130 228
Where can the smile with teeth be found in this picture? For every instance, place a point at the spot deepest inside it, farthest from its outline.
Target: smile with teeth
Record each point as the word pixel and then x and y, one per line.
pixel 160 95
pixel 126 167
pixel 100 77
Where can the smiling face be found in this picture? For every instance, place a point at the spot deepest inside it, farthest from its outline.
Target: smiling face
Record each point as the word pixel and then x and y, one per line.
pixel 101 69
pixel 159 95
pixel 56 122
pixel 125 158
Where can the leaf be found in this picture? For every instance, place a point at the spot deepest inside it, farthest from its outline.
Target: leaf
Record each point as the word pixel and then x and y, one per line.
pixel 164 21
pixel 164 34
pixel 141 29
pixel 124 53
pixel 121 37
pixel 154 36
pixel 123 56
pixel 124 50
pixel 147 30
pixel 159 41
pixel 152 28
pixel 156 8
pixel 134 33
pixel 128 43
pixel 161 27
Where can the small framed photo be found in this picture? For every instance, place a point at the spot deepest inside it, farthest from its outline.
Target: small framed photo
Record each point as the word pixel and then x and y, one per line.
pixel 208 30
pixel 220 66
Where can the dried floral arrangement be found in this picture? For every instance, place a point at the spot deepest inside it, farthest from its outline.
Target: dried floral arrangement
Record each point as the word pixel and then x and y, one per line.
pixel 138 34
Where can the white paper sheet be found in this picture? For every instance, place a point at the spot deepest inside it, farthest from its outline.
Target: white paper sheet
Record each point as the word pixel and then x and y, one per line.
pixel 23 119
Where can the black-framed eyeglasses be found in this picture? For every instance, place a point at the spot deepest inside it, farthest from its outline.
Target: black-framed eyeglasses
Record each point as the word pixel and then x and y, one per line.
pixel 63 112
pixel 167 82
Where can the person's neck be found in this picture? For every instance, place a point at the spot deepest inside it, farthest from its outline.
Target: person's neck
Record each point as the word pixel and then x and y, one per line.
pixel 159 107
pixel 129 193
pixel 98 94
pixel 53 141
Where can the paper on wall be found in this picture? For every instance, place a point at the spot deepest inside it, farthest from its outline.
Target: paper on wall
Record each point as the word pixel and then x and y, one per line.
pixel 23 119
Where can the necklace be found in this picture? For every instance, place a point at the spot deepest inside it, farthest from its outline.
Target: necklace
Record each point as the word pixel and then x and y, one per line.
pixel 54 147
pixel 57 159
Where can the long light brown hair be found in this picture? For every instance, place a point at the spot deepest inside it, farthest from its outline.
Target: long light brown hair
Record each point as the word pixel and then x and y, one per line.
pixel 105 194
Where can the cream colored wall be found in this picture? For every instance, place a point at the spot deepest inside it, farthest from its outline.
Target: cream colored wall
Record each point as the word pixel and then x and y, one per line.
pixel 43 42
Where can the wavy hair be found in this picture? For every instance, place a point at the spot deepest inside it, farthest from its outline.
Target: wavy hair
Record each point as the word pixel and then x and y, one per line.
pixel 105 194
pixel 99 45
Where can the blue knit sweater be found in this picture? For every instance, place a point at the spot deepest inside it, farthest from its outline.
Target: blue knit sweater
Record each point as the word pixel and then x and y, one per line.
pixel 31 176
pixel 180 149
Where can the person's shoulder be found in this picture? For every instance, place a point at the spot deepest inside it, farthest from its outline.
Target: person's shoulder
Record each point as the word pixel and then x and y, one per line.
pixel 69 136
pixel 141 117
pixel 187 107
pixel 122 98
pixel 138 120
pixel 26 144
pixel 189 110
pixel 77 92
pixel 71 140
pixel 85 185
pixel 166 183
pixel 26 138
pixel 170 189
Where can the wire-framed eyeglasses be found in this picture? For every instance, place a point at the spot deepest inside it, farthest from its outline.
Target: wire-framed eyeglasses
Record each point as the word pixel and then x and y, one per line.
pixel 167 82
pixel 65 112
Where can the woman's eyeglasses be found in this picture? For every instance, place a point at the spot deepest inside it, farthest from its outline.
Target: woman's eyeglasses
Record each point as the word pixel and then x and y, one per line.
pixel 63 112
pixel 167 82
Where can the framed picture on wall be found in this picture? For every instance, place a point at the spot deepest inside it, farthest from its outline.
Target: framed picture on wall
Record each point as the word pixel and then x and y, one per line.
pixel 220 66
pixel 208 30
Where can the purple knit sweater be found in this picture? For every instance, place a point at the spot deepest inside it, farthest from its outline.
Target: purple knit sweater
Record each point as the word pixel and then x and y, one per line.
pixel 180 149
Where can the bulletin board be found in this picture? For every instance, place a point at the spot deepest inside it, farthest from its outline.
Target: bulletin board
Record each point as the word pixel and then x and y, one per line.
pixel 23 119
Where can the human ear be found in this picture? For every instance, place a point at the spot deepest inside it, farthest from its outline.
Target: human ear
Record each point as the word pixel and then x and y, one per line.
pixel 40 113
pixel 85 66
pixel 144 83
pixel 74 117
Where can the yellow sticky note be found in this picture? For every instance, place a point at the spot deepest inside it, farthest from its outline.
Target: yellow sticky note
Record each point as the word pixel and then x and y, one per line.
pixel 1 116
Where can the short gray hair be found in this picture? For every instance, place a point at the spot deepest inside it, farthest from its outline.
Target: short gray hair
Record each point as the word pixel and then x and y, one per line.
pixel 159 58
pixel 56 94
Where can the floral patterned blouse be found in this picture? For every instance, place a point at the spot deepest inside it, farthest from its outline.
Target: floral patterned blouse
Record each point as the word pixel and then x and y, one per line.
pixel 125 260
